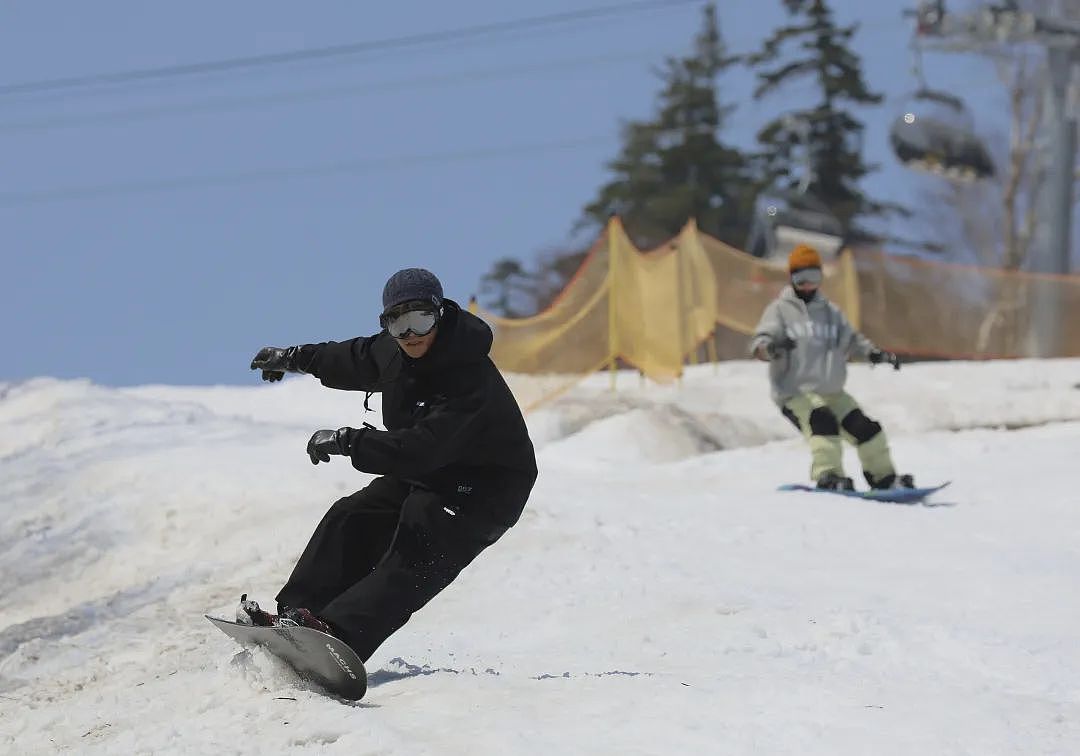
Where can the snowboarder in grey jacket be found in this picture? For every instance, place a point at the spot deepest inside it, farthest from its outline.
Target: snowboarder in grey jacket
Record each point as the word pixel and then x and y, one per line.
pixel 807 342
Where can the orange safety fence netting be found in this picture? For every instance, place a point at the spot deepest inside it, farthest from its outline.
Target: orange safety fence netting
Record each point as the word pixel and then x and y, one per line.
pixel 653 310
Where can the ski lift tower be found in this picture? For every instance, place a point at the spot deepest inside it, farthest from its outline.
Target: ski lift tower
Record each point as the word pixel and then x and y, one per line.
pixel 1007 24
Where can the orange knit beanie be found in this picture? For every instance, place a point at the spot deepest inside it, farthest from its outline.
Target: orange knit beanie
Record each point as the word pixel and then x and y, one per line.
pixel 803 257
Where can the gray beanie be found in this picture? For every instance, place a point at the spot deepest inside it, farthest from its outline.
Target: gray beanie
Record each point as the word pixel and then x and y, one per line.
pixel 409 285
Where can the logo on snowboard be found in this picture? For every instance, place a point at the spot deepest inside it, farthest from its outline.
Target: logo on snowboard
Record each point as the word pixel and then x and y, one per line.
pixel 341 662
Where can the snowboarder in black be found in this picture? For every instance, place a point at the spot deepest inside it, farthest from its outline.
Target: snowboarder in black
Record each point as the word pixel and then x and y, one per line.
pixel 455 466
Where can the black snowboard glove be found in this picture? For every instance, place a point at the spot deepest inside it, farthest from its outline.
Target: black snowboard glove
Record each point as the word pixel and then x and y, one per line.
pixel 323 443
pixel 880 355
pixel 777 349
pixel 275 362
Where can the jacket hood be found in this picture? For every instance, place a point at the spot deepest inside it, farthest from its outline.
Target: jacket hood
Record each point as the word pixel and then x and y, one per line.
pixel 462 339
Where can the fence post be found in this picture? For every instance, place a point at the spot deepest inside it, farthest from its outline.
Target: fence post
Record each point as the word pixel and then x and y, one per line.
pixel 613 322
pixel 688 346
pixel 850 278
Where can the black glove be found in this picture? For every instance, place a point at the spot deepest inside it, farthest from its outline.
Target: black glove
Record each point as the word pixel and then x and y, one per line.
pixel 777 349
pixel 323 443
pixel 880 355
pixel 275 362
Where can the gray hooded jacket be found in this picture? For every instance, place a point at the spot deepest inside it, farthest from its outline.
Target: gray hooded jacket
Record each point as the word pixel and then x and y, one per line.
pixel 824 340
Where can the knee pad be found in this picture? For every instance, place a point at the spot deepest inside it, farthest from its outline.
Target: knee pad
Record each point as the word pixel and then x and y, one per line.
pixel 860 426
pixel 823 422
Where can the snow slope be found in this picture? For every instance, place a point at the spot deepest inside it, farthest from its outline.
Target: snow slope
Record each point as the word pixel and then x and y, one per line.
pixel 658 596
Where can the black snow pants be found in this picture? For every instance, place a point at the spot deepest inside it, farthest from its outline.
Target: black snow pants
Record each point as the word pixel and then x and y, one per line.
pixel 379 555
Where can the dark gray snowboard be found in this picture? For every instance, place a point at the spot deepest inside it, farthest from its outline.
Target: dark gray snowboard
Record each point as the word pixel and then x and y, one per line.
pixel 318 657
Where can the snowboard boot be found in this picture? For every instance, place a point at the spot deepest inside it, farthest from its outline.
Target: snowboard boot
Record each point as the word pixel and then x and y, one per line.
pixel 300 617
pixel 890 481
pixel 833 481
pixel 249 613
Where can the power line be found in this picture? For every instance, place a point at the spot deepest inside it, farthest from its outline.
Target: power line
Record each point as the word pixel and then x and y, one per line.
pixel 346 167
pixel 232 104
pixel 337 51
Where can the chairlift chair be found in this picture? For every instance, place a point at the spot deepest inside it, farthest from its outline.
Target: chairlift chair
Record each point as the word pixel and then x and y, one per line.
pixel 935 132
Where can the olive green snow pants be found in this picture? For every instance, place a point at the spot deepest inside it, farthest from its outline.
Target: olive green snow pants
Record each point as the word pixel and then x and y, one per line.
pixel 826 418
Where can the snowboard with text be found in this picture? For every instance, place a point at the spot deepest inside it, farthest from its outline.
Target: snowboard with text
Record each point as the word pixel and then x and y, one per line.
pixel 316 656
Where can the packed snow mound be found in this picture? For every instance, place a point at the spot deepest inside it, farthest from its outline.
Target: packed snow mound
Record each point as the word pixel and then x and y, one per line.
pixel 641 436
pixel 44 415
pixel 729 403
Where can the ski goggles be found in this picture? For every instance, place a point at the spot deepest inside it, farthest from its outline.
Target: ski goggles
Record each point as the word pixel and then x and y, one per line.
pixel 419 322
pixel 807 276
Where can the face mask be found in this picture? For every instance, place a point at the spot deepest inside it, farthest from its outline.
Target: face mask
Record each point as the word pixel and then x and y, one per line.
pixel 806 276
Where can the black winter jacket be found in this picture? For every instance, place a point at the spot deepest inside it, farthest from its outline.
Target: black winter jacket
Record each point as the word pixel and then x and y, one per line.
pixel 452 424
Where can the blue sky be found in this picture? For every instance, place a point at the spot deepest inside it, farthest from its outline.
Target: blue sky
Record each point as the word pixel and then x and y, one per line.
pixel 348 170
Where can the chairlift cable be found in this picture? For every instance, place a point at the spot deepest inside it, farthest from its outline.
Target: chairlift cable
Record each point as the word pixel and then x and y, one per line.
pixel 231 65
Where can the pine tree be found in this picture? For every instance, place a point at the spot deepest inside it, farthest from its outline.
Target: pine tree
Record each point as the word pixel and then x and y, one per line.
pixel 670 169
pixel 676 167
pixel 507 289
pixel 828 132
